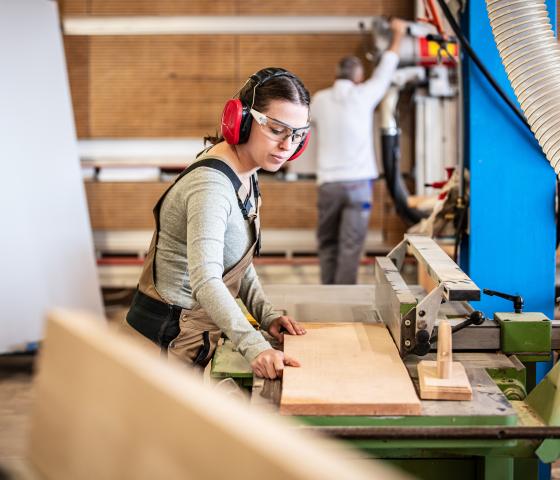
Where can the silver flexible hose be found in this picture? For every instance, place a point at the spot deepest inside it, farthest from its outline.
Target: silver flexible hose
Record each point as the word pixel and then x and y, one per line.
pixel 531 57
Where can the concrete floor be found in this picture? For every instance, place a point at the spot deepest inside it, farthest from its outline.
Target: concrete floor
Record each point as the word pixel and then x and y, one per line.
pixel 16 371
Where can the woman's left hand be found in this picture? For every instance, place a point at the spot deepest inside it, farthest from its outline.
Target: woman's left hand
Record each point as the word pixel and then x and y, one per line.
pixel 285 323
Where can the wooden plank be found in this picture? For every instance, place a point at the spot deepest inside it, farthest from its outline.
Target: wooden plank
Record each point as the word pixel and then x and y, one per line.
pixel 488 400
pixel 160 86
pixel 346 369
pixel 107 409
pixel 432 387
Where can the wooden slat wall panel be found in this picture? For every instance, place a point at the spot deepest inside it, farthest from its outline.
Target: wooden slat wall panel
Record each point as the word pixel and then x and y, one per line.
pixel 312 57
pixel 168 86
pixel 123 206
pixel 77 61
pixel 160 86
pixel 73 7
pixel 163 7
pixel 289 205
pixel 128 206
pixel 401 8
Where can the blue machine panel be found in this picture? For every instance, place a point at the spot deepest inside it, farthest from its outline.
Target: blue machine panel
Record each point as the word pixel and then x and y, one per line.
pixel 511 245
pixel 512 234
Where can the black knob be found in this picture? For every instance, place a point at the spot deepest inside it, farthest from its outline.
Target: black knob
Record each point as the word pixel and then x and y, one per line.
pixel 422 346
pixel 477 318
pixel 422 336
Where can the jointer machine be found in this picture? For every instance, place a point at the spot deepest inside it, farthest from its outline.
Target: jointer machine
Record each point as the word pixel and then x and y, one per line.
pixel 510 423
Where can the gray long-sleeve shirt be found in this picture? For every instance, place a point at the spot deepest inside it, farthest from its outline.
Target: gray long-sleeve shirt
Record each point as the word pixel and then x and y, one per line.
pixel 203 234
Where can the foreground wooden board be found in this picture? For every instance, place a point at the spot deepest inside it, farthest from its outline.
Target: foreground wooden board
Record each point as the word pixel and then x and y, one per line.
pixel 107 409
pixel 346 369
pixel 456 387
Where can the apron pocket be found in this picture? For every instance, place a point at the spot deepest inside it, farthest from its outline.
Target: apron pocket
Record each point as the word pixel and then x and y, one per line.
pixel 204 349
pixel 195 343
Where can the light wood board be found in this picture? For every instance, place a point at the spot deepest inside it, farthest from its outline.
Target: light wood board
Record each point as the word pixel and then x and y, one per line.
pixel 346 369
pixel 106 409
pixel 456 387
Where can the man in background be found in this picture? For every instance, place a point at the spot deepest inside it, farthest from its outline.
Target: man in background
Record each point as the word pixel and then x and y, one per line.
pixel 346 167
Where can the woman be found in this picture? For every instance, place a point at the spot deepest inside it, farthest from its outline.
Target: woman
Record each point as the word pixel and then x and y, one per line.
pixel 207 230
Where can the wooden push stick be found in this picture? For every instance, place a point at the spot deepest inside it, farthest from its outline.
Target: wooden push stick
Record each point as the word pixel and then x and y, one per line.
pixel 444 350
pixel 443 379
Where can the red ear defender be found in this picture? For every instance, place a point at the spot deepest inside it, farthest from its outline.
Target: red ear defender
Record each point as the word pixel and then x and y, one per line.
pixel 301 148
pixel 231 121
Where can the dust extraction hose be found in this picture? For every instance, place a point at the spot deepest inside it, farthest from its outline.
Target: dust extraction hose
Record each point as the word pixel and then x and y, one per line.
pixel 531 56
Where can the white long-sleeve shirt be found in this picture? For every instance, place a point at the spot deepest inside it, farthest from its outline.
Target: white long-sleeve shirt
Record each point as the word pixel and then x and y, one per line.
pixel 343 120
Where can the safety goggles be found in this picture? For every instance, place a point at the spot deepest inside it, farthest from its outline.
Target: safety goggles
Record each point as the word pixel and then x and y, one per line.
pixel 277 130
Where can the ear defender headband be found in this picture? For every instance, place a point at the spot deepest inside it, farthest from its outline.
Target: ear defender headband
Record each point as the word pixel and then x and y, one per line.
pixel 236 119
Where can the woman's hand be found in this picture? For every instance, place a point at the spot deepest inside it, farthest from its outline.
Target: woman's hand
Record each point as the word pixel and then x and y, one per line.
pixel 270 363
pixel 285 323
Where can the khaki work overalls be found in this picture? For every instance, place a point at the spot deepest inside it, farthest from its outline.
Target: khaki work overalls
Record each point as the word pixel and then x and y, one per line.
pixel 190 335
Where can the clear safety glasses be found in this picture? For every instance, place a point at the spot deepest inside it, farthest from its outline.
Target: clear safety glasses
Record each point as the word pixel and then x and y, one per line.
pixel 277 130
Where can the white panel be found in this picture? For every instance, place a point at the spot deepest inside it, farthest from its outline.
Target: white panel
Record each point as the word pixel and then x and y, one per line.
pixel 420 143
pixel 185 25
pixel 433 167
pixel 450 132
pixel 47 249
pixel 160 151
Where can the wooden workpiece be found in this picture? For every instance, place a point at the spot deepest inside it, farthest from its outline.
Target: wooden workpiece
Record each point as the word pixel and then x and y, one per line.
pixel 346 369
pixel 443 379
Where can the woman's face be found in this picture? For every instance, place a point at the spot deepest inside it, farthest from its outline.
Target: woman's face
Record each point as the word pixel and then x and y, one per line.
pixel 270 145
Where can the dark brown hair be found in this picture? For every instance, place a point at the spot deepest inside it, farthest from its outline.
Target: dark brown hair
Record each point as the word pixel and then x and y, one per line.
pixel 286 87
pixel 347 67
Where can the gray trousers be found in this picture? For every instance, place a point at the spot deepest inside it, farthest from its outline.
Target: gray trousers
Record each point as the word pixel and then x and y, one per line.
pixel 344 211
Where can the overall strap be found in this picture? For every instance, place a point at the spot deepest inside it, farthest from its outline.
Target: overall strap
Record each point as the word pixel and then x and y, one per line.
pixel 221 166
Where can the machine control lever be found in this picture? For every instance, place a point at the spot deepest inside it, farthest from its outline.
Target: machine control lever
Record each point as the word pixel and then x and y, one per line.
pixel 516 299
pixel 475 318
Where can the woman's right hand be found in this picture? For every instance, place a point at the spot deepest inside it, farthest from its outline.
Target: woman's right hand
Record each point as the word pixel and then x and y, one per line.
pixel 270 363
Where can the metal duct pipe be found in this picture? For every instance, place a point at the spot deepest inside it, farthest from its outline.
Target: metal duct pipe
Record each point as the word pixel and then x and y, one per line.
pixel 531 56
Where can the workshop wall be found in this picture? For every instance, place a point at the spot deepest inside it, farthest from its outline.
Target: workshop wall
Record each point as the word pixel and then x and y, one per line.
pixel 128 205
pixel 176 85
pixel 158 86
